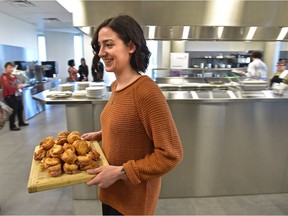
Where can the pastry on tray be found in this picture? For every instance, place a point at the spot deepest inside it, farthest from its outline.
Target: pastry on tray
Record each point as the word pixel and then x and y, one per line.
pixel 66 154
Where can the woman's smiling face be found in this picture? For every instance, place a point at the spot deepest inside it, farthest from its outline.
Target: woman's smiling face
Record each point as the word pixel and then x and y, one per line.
pixel 115 53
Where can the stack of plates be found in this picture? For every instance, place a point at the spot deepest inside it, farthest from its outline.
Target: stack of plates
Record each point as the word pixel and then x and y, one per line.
pixel 97 84
pixel 79 93
pixel 82 85
pixel 66 87
pixel 96 92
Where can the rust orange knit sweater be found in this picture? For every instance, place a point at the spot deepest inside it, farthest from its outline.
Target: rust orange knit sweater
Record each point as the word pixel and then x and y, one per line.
pixel 138 131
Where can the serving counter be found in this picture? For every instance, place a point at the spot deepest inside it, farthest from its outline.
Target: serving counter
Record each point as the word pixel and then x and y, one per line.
pixel 232 144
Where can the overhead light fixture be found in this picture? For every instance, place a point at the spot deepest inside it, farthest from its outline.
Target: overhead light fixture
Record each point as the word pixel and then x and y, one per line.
pixel 251 32
pixel 185 34
pixel 151 34
pixel 282 33
pixel 220 31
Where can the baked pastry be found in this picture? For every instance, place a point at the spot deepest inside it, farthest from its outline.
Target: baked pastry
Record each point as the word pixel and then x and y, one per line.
pixel 63 134
pixel 68 153
pixel 55 170
pixel 56 151
pixel 81 147
pixel 70 168
pixel 48 142
pixel 39 154
pixel 85 162
pixel 69 146
pixel 94 154
pixel 48 162
pixel 62 141
pixel 69 156
pixel 73 137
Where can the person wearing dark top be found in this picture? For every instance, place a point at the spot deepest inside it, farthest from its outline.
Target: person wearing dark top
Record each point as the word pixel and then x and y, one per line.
pixel 83 71
pixel 98 72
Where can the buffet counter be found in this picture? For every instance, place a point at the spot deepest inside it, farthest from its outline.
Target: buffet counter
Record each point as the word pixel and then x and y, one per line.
pixel 232 145
pixel 33 107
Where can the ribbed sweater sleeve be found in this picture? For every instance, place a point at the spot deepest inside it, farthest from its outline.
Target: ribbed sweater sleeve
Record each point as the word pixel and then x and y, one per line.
pixel 160 127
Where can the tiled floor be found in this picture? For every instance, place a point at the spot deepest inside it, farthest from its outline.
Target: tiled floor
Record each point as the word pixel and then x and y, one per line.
pixel 16 150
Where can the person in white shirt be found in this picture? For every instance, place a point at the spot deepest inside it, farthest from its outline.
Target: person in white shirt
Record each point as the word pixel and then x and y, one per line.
pixel 257 69
pixel 281 73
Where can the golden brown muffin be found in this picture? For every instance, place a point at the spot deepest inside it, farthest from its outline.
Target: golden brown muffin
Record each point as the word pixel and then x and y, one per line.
pixel 69 156
pixel 47 143
pixel 70 168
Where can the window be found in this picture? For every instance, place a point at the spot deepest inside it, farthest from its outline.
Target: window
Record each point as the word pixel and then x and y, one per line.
pixel 42 48
pixel 78 49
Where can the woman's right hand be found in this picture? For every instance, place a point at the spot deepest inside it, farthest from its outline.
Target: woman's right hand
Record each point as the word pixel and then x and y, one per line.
pixel 92 136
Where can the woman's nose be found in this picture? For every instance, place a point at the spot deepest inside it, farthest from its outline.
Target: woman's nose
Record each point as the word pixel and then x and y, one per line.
pixel 101 52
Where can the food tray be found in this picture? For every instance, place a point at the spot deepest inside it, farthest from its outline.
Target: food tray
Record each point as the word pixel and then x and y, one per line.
pixel 39 179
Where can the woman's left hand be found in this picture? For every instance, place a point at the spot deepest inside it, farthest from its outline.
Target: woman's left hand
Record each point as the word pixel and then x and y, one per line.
pixel 106 175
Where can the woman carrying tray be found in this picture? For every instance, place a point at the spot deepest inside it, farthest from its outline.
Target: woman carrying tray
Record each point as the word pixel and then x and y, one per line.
pixel 139 136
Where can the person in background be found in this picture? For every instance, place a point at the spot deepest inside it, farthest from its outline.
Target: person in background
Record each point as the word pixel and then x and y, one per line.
pixel 139 136
pixel 98 72
pixel 72 71
pixel 257 69
pixel 281 73
pixel 12 94
pixel 83 71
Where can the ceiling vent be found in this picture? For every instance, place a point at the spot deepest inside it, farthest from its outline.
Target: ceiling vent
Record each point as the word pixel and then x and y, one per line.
pixel 51 20
pixel 21 3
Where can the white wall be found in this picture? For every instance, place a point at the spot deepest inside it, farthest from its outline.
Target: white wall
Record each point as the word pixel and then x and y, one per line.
pixel 60 48
pixel 88 54
pixel 284 46
pixel 17 34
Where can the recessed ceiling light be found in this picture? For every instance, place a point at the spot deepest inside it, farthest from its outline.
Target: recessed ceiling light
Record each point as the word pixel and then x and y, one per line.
pixel 185 33
pixel 282 33
pixel 251 32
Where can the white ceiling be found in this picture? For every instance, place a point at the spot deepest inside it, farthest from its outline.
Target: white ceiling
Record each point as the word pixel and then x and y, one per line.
pixel 36 13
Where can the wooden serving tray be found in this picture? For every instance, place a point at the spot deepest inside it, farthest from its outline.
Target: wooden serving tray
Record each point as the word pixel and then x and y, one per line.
pixel 39 180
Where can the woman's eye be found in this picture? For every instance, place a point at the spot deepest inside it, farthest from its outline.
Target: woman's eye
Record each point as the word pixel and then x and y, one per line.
pixel 109 45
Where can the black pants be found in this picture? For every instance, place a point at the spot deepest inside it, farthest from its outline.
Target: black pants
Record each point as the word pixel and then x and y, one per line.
pixel 108 210
pixel 15 102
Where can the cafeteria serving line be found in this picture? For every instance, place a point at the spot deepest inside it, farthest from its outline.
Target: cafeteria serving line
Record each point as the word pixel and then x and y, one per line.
pixel 233 135
pixel 15 200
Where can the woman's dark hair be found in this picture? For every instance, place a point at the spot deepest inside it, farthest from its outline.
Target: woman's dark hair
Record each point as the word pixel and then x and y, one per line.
pixel 71 63
pixel 129 31
pixel 8 64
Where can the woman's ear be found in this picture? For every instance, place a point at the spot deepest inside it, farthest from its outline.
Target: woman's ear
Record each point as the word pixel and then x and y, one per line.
pixel 132 47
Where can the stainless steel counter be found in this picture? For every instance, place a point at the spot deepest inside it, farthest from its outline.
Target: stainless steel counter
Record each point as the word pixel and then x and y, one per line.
pixel 232 145
pixel 33 107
